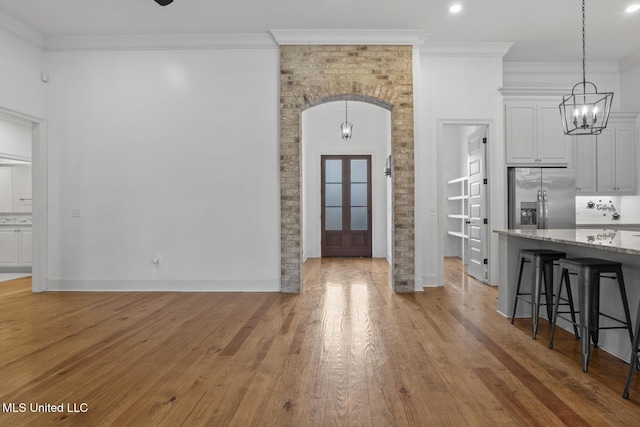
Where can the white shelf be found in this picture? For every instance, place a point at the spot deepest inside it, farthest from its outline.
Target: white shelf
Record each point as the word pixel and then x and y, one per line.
pixel 458 216
pixel 457 234
pixel 461 179
pixel 458 196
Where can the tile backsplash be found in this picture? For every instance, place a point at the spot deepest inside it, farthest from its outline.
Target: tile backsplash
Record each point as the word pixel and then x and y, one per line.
pixel 599 210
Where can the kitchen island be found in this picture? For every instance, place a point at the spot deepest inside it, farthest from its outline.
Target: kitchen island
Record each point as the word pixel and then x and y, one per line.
pixel 614 245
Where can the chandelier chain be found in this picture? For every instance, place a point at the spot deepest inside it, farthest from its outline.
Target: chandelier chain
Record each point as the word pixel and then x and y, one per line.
pixel 584 48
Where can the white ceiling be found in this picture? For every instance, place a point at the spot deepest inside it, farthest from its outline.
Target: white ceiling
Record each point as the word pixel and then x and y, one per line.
pixel 542 30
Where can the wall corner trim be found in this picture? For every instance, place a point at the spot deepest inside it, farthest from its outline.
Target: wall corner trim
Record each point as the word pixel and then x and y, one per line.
pixel 630 62
pixel 160 42
pixel 452 49
pixel 22 31
pixel 349 37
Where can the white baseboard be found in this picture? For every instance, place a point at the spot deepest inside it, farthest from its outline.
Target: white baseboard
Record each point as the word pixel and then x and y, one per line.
pixel 431 281
pixel 163 285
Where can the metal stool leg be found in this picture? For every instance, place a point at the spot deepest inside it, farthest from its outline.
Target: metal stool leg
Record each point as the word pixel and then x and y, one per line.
pixel 595 308
pixel 635 344
pixel 538 266
pixel 548 288
pixel 625 302
pixel 564 276
pixel 572 308
pixel 515 298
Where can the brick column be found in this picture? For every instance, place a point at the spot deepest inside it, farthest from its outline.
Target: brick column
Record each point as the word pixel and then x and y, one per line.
pixel 312 75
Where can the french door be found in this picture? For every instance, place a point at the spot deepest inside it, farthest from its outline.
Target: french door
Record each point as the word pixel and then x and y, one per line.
pixel 346 206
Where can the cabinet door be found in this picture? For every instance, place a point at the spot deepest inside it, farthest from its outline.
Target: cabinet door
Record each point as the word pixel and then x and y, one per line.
pixel 6 195
pixel 625 160
pixel 606 149
pixel 25 247
pixel 586 164
pixel 521 135
pixel 8 247
pixel 21 188
pixel 552 142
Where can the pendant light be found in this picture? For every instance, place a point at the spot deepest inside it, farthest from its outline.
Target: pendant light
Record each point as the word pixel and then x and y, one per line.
pixel 346 127
pixel 585 111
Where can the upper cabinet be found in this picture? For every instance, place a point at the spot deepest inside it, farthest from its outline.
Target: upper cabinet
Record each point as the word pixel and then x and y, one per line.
pixel 586 176
pixel 606 163
pixel 616 158
pixel 534 135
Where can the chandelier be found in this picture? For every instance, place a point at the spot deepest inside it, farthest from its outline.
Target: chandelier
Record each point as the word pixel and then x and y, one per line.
pixel 346 127
pixel 585 111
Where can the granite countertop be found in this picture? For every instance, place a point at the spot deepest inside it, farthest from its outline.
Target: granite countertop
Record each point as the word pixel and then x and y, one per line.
pixel 15 221
pixel 624 241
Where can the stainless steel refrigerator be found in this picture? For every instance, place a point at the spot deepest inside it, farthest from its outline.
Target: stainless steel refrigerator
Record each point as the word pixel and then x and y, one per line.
pixel 542 198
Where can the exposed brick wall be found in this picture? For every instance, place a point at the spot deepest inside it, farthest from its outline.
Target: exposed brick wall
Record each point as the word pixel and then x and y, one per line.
pixel 312 75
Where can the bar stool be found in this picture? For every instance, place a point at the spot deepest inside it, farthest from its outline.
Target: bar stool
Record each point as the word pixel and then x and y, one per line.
pixel 589 272
pixel 634 362
pixel 541 261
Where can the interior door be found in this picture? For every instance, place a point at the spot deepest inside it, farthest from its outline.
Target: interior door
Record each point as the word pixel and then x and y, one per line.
pixel 346 206
pixel 477 241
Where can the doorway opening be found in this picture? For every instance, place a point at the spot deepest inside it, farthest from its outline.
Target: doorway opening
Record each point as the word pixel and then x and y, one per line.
pixel 23 147
pixel 323 149
pixel 346 206
pixel 464 195
pixel 15 197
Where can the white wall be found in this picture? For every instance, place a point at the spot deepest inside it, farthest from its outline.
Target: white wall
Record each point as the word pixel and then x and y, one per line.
pixel 321 136
pixel 563 75
pixel 169 153
pixel 465 90
pixel 630 83
pixel 630 100
pixel 21 89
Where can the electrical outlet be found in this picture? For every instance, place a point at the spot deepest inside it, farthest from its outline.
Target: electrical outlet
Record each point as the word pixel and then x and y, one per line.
pixel 155 260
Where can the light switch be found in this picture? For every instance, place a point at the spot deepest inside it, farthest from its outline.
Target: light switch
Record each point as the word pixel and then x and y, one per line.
pixel 75 212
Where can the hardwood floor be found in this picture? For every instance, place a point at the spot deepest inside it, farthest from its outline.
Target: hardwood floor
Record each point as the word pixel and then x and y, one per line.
pixel 347 351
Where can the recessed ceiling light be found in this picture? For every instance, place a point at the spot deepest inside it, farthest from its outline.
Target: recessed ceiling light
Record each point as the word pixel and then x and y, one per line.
pixel 456 8
pixel 633 8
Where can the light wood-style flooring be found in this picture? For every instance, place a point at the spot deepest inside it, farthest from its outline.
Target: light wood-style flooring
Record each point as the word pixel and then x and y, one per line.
pixel 347 351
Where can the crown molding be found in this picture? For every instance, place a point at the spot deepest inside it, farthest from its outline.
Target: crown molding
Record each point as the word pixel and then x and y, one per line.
pixel 159 42
pixel 557 68
pixel 623 115
pixel 465 49
pixel 349 37
pixel 630 62
pixel 22 31
pixel 534 91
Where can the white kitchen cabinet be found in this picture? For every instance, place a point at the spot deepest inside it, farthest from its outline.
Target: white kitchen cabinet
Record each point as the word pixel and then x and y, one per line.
pixel 8 247
pixel 15 247
pixel 15 188
pixel 21 188
pixel 616 159
pixel 6 194
pixel 586 172
pixel 534 135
